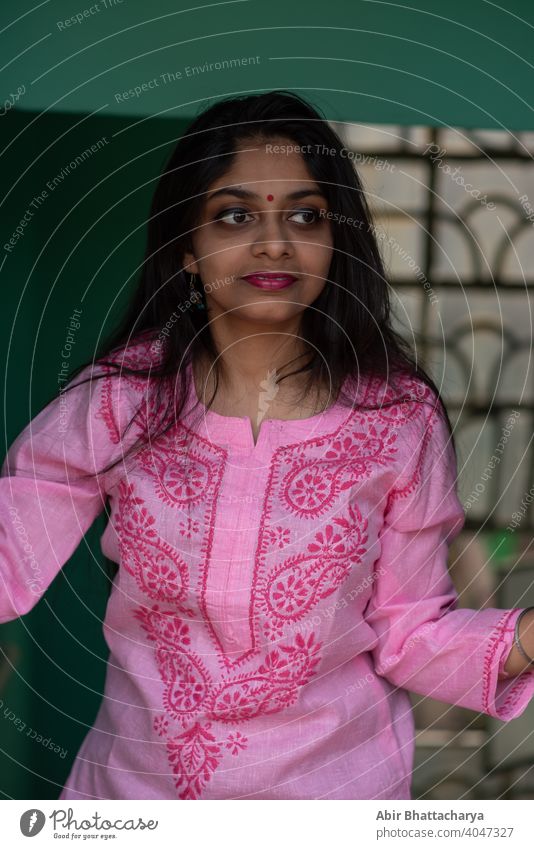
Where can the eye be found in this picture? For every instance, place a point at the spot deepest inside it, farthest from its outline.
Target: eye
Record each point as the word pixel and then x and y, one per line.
pixel 227 215
pixel 307 212
pixel 232 214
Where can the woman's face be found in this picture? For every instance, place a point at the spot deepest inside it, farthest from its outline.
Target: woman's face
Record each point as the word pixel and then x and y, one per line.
pixel 253 222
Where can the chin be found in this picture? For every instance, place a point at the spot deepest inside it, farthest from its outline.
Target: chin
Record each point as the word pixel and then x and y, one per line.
pixel 270 312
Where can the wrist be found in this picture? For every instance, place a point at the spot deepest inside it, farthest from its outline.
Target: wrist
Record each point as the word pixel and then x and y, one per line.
pixel 521 655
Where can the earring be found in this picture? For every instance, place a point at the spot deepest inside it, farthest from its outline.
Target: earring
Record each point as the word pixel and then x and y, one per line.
pixel 194 295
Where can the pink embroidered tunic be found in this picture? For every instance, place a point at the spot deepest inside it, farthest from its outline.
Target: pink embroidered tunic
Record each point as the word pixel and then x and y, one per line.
pixel 274 601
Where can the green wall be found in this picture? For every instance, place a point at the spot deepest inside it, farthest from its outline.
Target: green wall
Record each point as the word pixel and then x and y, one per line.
pixel 460 63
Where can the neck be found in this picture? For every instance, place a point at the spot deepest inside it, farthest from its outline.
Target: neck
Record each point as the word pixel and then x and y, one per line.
pixel 248 351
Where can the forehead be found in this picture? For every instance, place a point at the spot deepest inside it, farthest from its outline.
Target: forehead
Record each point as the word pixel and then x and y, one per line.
pixel 257 167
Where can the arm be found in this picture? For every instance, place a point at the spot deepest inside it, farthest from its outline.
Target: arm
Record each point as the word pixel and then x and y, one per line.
pixel 425 643
pixel 46 505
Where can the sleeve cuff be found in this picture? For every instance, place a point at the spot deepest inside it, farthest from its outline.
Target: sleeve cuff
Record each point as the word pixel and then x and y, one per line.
pixel 505 696
pixel 508 641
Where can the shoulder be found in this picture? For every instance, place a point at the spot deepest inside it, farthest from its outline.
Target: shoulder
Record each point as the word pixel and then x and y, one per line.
pixel 125 386
pixel 411 416
pixel 142 353
pixel 404 401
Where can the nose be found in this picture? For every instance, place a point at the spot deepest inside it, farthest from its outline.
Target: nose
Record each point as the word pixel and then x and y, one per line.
pixel 272 238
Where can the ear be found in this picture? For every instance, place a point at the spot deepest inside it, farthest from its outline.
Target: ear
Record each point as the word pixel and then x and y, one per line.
pixel 189 262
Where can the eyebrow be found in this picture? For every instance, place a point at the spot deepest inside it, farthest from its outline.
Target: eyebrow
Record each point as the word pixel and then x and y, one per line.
pixel 245 194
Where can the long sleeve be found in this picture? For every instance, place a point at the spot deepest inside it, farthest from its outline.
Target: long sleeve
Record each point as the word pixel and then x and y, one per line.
pixel 46 505
pixel 427 644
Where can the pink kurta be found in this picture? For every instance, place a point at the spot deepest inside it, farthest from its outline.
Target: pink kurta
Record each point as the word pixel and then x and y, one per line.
pixel 274 602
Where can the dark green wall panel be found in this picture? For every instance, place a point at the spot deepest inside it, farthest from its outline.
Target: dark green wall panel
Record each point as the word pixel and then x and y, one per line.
pixel 460 63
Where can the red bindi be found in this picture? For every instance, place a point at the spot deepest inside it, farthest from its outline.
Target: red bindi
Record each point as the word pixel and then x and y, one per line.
pixel 270 197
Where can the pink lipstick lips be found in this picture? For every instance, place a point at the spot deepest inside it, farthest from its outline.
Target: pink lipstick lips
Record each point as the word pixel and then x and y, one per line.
pixel 270 280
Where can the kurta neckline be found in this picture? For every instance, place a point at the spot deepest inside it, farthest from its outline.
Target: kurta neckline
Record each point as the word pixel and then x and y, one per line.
pixel 237 430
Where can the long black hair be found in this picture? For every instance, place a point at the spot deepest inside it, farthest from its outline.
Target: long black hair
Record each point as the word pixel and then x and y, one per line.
pixel 357 339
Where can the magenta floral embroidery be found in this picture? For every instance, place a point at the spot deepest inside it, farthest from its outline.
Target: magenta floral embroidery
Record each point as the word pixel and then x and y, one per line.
pixel 302 580
pixel 161 724
pixel 290 593
pixel 187 695
pixel 309 488
pixel 187 680
pixel 190 692
pixel 161 581
pixel 151 410
pixel 271 687
pixel 272 632
pixel 194 757
pixel 179 478
pixel 402 411
pixel 236 742
pixel 158 569
pixel 278 536
pixel 189 527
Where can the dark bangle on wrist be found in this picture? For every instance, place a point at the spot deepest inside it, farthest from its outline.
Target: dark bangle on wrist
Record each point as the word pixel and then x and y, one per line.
pixel 517 641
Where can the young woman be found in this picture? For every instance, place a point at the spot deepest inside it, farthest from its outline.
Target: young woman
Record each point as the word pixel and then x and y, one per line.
pixel 280 480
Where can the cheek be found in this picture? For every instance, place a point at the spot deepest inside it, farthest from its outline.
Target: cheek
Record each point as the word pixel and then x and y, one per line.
pixel 319 254
pixel 219 259
pixel 225 256
pixel 320 240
